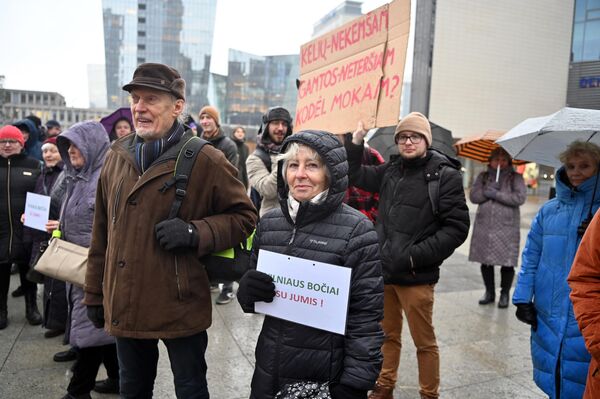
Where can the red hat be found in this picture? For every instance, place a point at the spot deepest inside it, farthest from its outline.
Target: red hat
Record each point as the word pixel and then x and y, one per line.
pixel 51 140
pixel 12 132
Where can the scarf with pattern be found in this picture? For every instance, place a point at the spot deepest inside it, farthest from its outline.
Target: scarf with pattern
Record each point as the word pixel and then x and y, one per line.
pixel 148 152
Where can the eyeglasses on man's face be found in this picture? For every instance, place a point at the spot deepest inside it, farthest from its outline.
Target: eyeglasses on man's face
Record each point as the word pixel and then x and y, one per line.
pixel 414 138
pixel 8 141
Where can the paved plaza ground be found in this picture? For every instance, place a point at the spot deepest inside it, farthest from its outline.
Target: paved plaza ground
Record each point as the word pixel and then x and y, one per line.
pixel 484 350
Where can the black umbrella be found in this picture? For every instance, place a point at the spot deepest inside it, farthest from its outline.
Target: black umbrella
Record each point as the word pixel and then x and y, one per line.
pixel 383 141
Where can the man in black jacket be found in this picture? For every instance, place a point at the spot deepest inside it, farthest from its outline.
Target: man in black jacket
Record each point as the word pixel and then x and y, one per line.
pixel 18 174
pixel 211 131
pixel 423 218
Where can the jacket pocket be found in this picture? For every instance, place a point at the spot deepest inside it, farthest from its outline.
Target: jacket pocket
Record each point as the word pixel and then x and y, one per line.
pixel 182 279
pixel 117 199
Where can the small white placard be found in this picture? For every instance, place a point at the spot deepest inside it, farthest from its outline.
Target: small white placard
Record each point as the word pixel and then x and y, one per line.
pixel 307 292
pixel 37 210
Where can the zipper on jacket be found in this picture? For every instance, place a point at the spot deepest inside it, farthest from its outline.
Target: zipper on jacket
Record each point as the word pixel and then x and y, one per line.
pixel 412 266
pixel 117 198
pixel 293 236
pixel 10 237
pixel 177 279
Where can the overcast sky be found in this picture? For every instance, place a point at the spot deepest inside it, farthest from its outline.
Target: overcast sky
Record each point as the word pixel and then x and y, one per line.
pixel 47 45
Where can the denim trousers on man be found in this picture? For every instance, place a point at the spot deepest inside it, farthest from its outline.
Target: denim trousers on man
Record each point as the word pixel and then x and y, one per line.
pixel 417 303
pixel 138 359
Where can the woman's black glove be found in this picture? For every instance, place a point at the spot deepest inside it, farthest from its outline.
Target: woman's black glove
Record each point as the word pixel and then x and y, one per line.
pixel 255 286
pixel 175 233
pixel 527 314
pixel 341 391
pixel 96 314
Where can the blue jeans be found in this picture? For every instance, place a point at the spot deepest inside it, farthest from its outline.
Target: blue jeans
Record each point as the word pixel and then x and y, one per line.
pixel 138 359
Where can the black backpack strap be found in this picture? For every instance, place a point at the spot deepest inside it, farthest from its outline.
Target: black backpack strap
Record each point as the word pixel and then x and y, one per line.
pixel 264 156
pixel 183 169
pixel 433 189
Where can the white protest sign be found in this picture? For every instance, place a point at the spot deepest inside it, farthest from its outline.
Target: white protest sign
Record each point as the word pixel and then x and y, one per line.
pixel 37 210
pixel 307 292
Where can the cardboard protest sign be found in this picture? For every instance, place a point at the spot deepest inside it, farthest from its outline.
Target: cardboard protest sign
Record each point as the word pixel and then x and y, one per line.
pixel 355 72
pixel 307 292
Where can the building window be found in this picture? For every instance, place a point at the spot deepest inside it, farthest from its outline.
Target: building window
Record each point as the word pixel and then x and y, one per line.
pixel 141 33
pixel 141 47
pixel 141 6
pixel 141 60
pixel 141 20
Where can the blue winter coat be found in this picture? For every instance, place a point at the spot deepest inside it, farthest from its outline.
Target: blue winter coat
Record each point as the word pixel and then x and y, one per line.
pixel 33 145
pixel 77 216
pixel 557 345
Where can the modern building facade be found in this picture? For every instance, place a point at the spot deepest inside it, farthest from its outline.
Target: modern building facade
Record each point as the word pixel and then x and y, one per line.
pixel 346 11
pixel 584 69
pixel 174 32
pixel 255 83
pixel 494 64
pixel 17 104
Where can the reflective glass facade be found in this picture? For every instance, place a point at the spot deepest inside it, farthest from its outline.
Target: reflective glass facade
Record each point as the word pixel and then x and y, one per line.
pixel 586 31
pixel 174 32
pixel 256 83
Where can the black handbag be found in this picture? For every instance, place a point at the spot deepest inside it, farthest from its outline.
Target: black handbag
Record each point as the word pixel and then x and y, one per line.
pixel 304 389
pixel 33 275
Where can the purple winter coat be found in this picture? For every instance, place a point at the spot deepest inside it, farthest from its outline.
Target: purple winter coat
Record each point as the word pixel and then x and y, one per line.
pixel 496 231
pixel 77 216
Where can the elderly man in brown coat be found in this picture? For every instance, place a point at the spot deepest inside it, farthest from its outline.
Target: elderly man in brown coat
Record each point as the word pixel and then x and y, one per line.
pixel 145 280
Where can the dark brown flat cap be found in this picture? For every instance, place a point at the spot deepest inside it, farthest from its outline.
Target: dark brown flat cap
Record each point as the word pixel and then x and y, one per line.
pixel 158 76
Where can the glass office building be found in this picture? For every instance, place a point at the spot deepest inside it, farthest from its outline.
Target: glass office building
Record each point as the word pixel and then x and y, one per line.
pixel 256 83
pixel 174 32
pixel 584 70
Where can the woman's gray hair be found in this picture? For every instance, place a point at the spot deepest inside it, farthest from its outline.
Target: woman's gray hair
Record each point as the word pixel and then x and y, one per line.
pixel 578 148
pixel 292 151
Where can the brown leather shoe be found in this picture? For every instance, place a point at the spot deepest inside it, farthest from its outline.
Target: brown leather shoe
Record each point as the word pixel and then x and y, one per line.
pixel 381 392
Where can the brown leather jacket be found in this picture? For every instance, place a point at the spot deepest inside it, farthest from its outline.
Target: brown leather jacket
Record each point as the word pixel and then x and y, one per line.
pixel 148 292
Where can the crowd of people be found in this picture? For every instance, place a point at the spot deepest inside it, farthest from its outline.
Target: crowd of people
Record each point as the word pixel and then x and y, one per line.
pixel 311 195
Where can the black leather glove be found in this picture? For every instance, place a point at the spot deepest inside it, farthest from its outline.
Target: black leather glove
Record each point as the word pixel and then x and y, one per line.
pixel 96 315
pixel 341 391
pixel 527 314
pixel 175 233
pixel 255 286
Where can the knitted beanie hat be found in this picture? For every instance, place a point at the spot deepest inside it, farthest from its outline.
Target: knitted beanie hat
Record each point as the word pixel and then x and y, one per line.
pixel 414 122
pixel 10 132
pixel 212 112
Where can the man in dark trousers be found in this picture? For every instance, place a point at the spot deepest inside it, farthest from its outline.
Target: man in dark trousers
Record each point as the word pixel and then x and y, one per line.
pixel 423 217
pixel 145 280
pixel 210 121
pixel 18 175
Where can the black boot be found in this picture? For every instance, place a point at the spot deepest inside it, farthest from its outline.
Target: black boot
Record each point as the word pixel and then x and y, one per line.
pixel 32 314
pixel 507 275
pixel 487 272
pixel 4 284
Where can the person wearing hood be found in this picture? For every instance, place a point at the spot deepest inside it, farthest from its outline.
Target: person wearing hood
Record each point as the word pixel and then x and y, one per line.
pixel 560 358
pixel 416 234
pixel 276 126
pixel 311 184
pixel 239 138
pixel 18 175
pixel 83 148
pixel 33 145
pixel 499 191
